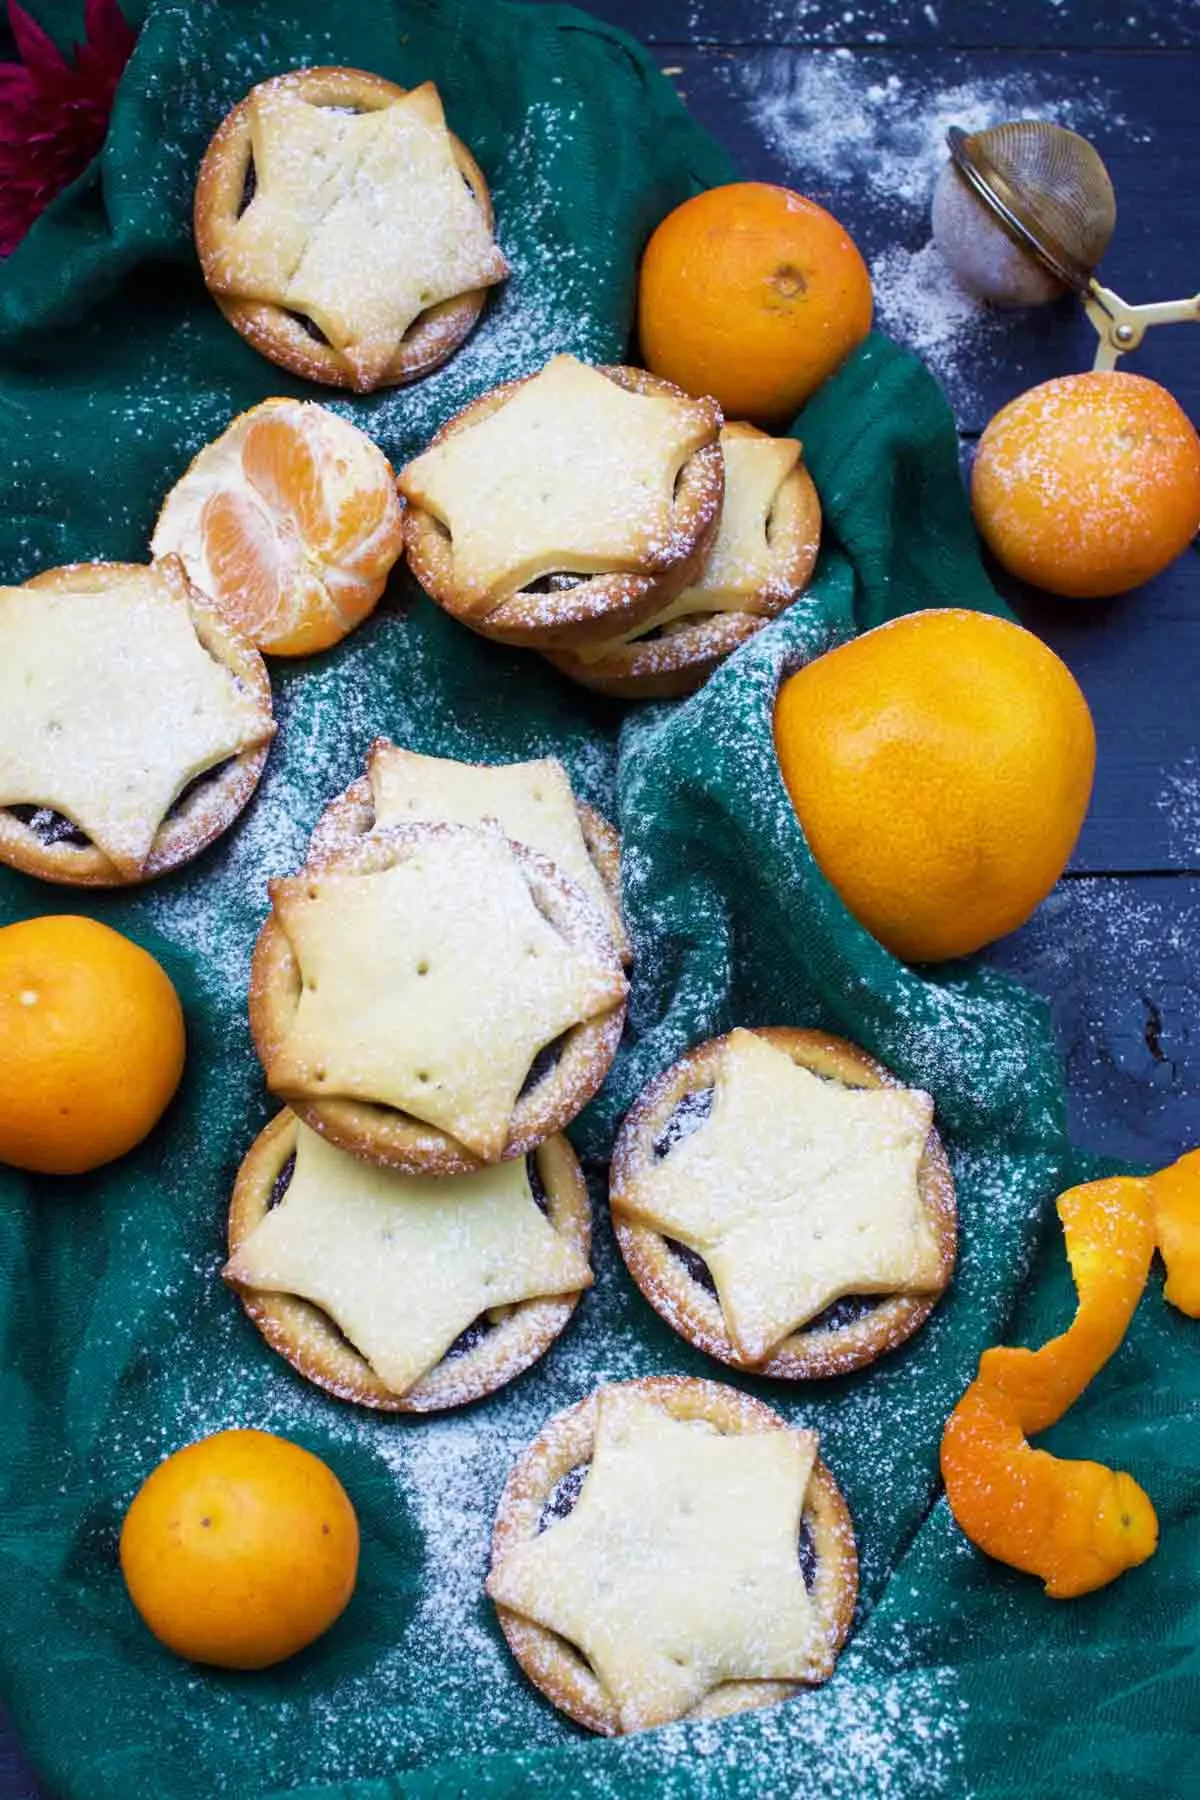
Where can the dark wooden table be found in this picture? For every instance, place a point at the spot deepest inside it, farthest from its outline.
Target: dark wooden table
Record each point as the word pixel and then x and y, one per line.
pixel 847 100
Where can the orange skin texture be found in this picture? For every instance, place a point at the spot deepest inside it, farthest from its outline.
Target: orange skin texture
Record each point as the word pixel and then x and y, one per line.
pixel 240 1549
pixel 941 767
pixel 1077 1525
pixel 91 1044
pixel 1177 1218
pixel 1089 484
pixel 752 294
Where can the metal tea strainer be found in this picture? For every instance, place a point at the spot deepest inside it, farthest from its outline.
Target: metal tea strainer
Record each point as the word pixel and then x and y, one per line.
pixel 1050 192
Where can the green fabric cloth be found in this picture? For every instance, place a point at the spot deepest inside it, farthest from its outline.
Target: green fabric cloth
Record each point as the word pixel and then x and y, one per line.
pixel 120 1342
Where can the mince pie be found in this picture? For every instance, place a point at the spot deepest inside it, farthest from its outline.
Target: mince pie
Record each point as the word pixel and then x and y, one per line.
pixel 670 1548
pixel 343 230
pixel 435 998
pixel 567 507
pixel 408 1293
pixel 529 802
pixel 134 723
pixel 762 560
pixel 784 1203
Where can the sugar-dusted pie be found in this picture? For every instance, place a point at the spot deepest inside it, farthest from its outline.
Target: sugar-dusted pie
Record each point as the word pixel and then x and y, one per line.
pixel 566 507
pixel 134 723
pixel 529 802
pixel 409 1293
pixel 343 230
pixel 670 1548
pixel 435 998
pixel 785 1203
pixel 763 556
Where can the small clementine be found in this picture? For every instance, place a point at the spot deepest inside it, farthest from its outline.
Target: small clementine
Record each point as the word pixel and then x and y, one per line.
pixel 240 1549
pixel 91 1044
pixel 752 294
pixel 940 767
pixel 1089 484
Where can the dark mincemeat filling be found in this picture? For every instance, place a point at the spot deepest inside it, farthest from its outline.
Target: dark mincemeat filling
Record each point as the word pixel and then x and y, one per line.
pixel 249 187
pixel 555 584
pixel 687 1117
pixel 309 325
pixel 283 1182
pixel 543 1064
pixel 563 1497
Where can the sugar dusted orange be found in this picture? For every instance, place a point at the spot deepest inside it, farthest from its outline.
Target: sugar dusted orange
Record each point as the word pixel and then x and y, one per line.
pixel 290 522
pixel 941 768
pixel 753 294
pixel 91 1044
pixel 1089 484
pixel 240 1549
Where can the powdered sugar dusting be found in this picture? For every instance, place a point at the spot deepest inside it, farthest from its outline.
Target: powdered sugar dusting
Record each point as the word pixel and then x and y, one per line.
pixel 869 141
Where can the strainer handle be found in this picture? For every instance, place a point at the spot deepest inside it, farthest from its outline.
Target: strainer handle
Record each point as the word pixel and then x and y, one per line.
pixel 1121 327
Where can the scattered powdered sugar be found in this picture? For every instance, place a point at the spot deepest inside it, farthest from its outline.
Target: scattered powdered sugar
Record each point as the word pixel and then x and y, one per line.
pixel 1179 802
pixel 869 142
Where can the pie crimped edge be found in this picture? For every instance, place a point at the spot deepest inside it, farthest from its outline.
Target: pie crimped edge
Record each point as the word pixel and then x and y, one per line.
pixel 691 647
pixel 395 1139
pixel 564 1443
pixel 350 817
pixel 214 805
pixel 307 1338
pixel 274 331
pixel 695 1313
pixel 597 606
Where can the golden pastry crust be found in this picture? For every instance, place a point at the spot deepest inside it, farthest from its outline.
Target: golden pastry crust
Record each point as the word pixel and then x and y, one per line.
pixel 566 1443
pixel 306 1337
pixel 215 800
pixel 350 817
pixel 684 654
pixel 692 1309
pixel 382 1134
pixel 592 607
pixel 274 331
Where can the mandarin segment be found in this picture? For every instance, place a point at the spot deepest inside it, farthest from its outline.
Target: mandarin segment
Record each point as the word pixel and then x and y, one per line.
pixel 291 522
pixel 1089 484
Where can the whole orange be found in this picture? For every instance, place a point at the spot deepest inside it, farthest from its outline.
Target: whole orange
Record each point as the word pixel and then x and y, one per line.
pixel 752 294
pixel 1089 484
pixel 91 1044
pixel 941 768
pixel 240 1549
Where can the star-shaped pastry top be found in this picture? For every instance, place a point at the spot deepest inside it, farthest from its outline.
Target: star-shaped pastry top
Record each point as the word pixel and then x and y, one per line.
pixel 572 473
pixel 404 1263
pixel 678 1567
pixel 795 1190
pixel 360 220
pixel 110 704
pixel 430 985
pixel 741 562
pixel 530 802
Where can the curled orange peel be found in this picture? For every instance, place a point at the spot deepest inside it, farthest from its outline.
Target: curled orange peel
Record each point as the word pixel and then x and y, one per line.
pixel 1077 1525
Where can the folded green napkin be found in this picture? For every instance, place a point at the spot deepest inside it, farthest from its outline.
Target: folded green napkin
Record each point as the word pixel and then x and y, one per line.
pixel 119 1341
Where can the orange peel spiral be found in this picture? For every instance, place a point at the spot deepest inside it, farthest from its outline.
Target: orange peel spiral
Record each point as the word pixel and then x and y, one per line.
pixel 1077 1525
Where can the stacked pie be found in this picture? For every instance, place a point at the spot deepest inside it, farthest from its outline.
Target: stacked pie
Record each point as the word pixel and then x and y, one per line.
pixel 435 994
pixel 609 520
